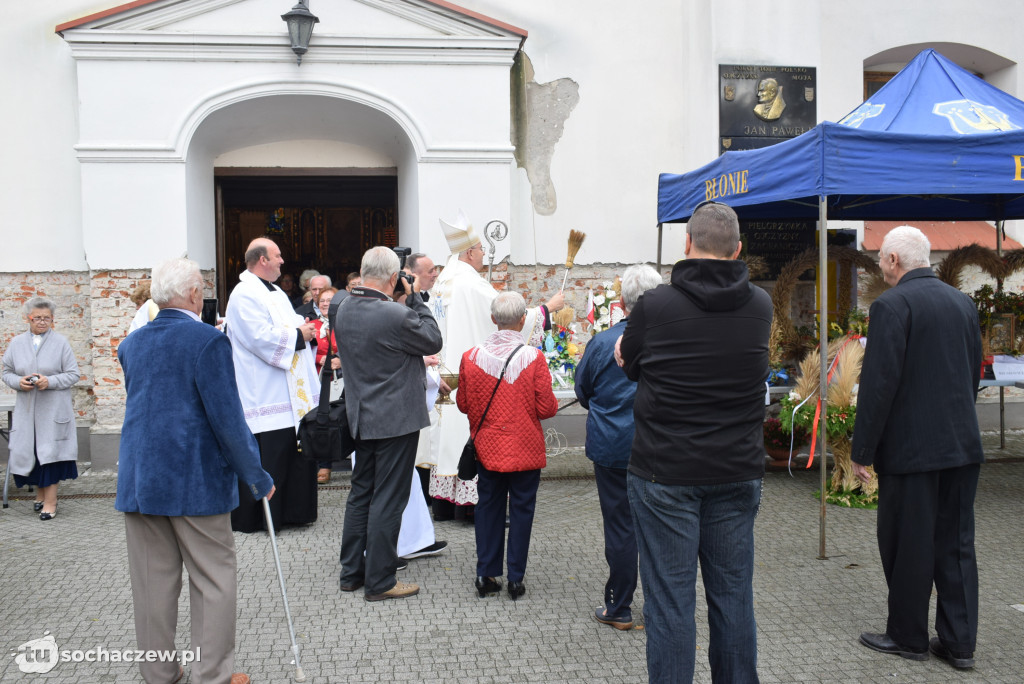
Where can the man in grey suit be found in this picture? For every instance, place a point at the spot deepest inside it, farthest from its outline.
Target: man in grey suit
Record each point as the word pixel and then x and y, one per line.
pixel 382 356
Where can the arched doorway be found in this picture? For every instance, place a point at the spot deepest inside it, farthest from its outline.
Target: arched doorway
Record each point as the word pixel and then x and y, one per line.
pixel 324 176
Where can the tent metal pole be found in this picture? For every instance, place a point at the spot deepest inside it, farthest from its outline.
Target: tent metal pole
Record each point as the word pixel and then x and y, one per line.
pixel 659 247
pixel 823 341
pixel 1002 390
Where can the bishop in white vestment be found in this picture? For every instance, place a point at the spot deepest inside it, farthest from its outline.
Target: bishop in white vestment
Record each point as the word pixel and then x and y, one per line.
pixel 277 383
pixel 461 303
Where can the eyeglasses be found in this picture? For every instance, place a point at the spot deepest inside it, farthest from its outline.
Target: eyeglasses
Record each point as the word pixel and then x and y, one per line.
pixel 40 319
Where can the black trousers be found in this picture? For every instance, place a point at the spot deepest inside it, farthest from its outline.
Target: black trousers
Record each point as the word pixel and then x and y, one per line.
pixel 373 514
pixel 494 488
pixel 294 501
pixel 926 536
pixel 619 540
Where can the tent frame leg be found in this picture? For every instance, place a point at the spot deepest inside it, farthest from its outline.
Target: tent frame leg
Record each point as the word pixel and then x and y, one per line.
pixel 823 342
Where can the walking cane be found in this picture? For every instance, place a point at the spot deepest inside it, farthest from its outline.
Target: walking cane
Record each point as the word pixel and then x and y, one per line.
pixel 300 676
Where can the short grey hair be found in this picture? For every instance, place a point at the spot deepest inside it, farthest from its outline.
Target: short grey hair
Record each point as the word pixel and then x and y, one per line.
pixel 909 244
pixel 508 308
pixel 715 229
pixel 306 276
pixel 379 263
pixel 40 303
pixel 637 279
pixel 174 279
pixel 325 277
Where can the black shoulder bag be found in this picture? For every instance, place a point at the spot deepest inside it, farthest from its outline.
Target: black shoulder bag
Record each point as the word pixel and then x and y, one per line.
pixel 467 462
pixel 324 433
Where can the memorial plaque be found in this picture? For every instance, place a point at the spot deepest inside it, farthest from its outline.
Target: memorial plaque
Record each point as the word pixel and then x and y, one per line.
pixel 778 242
pixel 766 103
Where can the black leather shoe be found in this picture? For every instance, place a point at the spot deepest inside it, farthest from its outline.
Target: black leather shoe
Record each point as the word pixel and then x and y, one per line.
pixel 349 587
pixel 487 585
pixel 884 644
pixel 961 661
pixel 515 590
pixel 37 506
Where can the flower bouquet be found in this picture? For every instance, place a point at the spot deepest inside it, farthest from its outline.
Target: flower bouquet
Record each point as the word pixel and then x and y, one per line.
pixel 607 309
pixel 562 355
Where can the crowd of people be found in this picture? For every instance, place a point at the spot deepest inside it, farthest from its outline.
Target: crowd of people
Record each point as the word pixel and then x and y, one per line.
pixel 674 434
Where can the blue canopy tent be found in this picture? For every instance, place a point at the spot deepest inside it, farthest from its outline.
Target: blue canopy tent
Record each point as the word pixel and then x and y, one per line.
pixel 935 143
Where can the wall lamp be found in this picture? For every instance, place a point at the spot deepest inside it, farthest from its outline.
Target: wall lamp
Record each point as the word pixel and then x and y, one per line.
pixel 300 28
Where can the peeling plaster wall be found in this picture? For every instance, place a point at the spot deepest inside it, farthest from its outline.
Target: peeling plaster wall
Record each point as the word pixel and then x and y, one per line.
pixel 539 113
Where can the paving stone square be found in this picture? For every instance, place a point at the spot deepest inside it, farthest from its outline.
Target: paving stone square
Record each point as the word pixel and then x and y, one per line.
pixel 68 578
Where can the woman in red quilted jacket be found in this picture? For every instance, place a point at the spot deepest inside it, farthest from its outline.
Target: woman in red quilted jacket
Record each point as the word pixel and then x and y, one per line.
pixel 509 443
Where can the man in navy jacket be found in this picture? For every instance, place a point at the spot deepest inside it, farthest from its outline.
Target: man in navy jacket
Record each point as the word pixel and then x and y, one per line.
pixel 184 446
pixel 607 394
pixel 916 423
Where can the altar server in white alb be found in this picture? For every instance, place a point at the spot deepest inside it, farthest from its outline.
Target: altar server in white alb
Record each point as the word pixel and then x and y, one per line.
pixel 277 383
pixel 461 303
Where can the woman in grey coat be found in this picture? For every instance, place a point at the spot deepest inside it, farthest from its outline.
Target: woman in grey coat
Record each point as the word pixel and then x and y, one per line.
pixel 40 365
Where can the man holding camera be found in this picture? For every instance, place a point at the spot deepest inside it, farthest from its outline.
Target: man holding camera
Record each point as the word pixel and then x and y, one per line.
pixel 385 343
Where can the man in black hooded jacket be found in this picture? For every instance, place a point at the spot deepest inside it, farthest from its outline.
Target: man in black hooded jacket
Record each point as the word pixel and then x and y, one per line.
pixel 698 349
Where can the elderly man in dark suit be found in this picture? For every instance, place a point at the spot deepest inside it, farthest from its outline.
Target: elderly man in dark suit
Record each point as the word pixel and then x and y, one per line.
pixel 311 309
pixel 916 424
pixel 382 357
pixel 184 446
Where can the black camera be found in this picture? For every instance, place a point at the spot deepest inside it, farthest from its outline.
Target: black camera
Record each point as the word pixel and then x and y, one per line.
pixel 402 253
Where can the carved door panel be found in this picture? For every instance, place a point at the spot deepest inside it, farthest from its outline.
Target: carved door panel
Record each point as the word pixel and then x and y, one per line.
pixel 330 239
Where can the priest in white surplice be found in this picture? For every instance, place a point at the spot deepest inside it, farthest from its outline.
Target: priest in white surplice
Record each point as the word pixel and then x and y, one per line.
pixel 461 303
pixel 278 384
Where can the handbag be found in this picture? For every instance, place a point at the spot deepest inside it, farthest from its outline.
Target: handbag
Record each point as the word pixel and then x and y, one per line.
pixel 468 460
pixel 324 433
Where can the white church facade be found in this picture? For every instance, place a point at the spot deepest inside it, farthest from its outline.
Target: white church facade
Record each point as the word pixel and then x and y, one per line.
pixel 162 128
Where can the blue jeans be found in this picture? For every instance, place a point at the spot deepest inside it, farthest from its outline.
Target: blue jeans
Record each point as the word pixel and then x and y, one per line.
pixel 675 526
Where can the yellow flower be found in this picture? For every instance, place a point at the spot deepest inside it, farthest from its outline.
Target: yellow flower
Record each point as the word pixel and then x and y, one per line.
pixel 571 349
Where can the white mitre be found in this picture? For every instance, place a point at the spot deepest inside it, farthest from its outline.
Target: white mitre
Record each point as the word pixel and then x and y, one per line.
pixel 461 235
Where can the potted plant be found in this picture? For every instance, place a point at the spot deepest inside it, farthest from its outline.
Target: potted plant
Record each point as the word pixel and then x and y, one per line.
pixel 777 440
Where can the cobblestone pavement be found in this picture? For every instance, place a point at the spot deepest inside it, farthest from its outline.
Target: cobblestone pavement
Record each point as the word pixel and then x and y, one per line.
pixel 69 577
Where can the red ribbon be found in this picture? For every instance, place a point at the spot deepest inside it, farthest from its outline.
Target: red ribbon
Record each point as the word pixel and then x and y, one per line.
pixel 817 411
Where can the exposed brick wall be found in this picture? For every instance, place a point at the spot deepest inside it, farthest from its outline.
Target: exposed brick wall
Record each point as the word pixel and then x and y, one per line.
pixel 539 283
pixel 112 312
pixel 94 312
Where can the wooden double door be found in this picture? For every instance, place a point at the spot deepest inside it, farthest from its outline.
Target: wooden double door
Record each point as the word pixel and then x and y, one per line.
pixel 320 222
